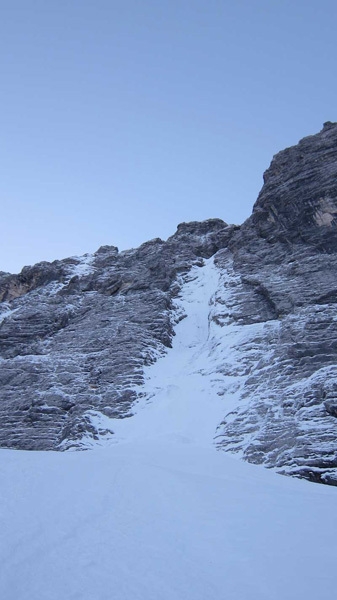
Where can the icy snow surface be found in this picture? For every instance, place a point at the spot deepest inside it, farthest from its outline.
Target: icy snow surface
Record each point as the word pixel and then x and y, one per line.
pixel 83 266
pixel 158 514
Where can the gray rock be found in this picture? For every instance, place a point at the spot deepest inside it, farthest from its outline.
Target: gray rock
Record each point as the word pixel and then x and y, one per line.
pixel 286 254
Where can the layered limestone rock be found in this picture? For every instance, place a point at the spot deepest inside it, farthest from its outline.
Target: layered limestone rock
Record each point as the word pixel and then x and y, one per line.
pixel 286 254
pixel 75 335
pixel 298 199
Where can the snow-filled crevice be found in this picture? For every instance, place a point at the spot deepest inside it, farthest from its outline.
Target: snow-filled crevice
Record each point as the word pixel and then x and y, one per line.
pixel 199 381
pixel 179 398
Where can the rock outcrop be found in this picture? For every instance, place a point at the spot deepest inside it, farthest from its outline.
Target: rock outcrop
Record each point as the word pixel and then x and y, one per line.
pixel 76 334
pixel 286 255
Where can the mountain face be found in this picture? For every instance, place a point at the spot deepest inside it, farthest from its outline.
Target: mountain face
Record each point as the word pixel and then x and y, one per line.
pixel 243 318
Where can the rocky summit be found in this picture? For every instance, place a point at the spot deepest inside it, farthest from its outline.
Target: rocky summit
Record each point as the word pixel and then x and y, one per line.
pixel 80 337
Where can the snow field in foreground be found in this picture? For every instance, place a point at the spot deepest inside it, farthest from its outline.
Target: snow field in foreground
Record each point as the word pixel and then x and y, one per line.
pixel 160 520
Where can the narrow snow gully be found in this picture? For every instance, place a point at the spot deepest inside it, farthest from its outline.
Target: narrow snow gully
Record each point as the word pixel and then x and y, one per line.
pixel 199 381
pixel 179 401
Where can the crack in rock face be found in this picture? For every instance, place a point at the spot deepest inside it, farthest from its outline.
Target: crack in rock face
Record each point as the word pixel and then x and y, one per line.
pixel 83 341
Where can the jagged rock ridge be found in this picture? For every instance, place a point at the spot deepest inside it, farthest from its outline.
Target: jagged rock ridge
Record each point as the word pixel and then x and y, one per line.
pixel 75 335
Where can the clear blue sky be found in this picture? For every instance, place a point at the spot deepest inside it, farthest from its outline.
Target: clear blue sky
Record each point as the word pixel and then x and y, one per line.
pixel 122 118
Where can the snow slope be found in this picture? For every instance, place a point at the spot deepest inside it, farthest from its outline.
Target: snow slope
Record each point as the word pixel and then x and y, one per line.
pixel 155 512
pixel 149 520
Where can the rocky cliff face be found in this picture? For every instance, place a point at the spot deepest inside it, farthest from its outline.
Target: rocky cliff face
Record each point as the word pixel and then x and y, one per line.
pixel 76 335
pixel 286 254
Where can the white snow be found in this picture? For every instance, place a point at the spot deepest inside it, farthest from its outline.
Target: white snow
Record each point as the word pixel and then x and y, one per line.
pixel 83 266
pixel 7 311
pixel 161 520
pixel 158 514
